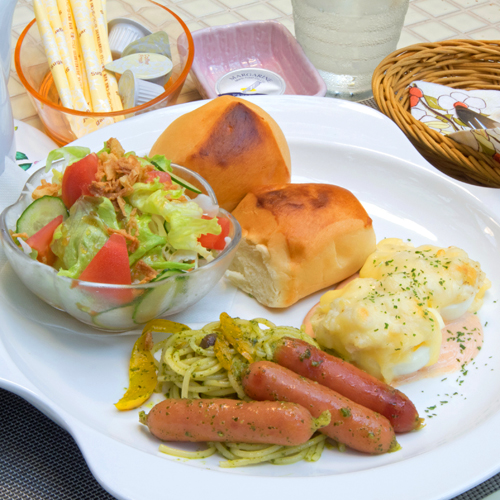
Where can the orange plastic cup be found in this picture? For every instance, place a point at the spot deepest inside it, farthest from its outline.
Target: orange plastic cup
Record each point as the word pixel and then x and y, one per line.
pixel 33 70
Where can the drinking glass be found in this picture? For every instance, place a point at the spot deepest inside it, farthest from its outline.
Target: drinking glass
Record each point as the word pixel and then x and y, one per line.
pixel 347 39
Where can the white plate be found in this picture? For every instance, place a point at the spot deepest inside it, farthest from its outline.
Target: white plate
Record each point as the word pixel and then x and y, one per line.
pixel 75 379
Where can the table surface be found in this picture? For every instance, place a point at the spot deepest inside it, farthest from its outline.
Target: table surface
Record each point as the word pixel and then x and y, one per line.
pixel 49 465
pixel 426 21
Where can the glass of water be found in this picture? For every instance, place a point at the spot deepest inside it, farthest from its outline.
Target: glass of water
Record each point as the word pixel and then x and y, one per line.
pixel 347 39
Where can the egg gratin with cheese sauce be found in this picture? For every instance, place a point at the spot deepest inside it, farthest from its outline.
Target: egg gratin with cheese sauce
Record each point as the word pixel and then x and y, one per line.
pixel 408 309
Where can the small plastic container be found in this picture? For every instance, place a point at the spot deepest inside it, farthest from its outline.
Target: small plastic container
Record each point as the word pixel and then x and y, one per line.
pixel 253 45
pixel 155 68
pixel 136 92
pixel 122 32
pixel 253 81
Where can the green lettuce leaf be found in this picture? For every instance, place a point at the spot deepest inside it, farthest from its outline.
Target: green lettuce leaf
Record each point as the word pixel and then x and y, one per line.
pixel 106 213
pixel 78 239
pixel 184 222
pixel 57 177
pixel 157 161
pixel 105 149
pixel 160 162
pixel 144 190
pixel 147 238
pixel 184 230
pixel 156 260
pixel 69 155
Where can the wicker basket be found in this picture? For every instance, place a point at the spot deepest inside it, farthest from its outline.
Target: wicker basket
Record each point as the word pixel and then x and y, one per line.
pixel 461 64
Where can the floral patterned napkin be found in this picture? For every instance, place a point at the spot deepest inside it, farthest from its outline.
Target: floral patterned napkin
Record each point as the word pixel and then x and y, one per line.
pixel 471 117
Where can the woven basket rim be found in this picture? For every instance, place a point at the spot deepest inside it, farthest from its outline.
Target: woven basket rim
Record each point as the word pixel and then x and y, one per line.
pixel 439 61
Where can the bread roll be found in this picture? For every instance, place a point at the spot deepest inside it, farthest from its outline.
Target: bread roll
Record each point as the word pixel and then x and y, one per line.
pixel 235 145
pixel 297 239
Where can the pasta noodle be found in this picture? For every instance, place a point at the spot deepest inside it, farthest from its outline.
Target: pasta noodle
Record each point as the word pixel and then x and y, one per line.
pixel 188 370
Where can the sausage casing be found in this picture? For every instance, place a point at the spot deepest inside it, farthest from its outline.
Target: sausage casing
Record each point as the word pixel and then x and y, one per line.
pixel 348 380
pixel 228 420
pixel 351 424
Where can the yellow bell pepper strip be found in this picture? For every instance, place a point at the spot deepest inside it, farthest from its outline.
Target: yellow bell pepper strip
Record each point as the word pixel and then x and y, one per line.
pixel 233 334
pixel 142 374
pixel 164 326
pixel 222 351
pixel 142 368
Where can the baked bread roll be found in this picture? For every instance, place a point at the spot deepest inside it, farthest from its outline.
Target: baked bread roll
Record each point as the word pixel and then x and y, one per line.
pixel 235 145
pixel 298 239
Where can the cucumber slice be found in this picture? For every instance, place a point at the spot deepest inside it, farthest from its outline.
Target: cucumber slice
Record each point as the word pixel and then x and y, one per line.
pixel 39 214
pixel 166 273
pixel 177 267
pixel 118 318
pixel 157 301
pixel 183 183
pixel 157 165
pixel 177 180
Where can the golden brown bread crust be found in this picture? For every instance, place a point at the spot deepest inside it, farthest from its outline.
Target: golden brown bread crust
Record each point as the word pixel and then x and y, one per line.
pixel 298 239
pixel 234 144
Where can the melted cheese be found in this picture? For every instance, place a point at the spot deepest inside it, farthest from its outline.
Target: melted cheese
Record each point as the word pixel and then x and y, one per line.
pixel 444 278
pixel 389 320
pixel 377 330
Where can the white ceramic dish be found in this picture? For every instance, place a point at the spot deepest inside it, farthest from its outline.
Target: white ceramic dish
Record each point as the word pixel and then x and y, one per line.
pixel 75 379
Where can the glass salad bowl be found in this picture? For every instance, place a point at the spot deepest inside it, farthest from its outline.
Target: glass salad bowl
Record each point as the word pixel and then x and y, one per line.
pixel 116 308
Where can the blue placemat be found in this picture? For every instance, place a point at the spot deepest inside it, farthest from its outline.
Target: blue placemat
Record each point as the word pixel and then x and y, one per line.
pixel 38 459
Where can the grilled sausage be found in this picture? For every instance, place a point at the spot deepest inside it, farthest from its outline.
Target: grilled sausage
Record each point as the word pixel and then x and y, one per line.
pixel 351 424
pixel 229 420
pixel 348 380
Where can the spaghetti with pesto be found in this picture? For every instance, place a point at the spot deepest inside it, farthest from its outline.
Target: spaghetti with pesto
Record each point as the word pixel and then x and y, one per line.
pixel 209 363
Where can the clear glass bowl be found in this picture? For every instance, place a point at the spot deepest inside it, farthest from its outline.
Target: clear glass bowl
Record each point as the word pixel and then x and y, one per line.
pixel 116 308
pixel 60 122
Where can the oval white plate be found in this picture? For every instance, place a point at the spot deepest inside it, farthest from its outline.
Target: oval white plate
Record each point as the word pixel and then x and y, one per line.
pixel 75 379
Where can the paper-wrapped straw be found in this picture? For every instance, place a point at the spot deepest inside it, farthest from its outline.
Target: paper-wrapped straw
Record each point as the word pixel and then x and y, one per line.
pixel 68 24
pixel 104 53
pixel 100 103
pixel 104 12
pixel 56 66
pixel 54 59
pixel 76 89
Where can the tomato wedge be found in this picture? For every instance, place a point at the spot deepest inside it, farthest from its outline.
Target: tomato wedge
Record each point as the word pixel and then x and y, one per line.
pixel 164 177
pixel 110 265
pixel 212 241
pixel 77 179
pixel 42 239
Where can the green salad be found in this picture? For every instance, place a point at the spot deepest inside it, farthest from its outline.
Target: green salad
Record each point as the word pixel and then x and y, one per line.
pixel 114 217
